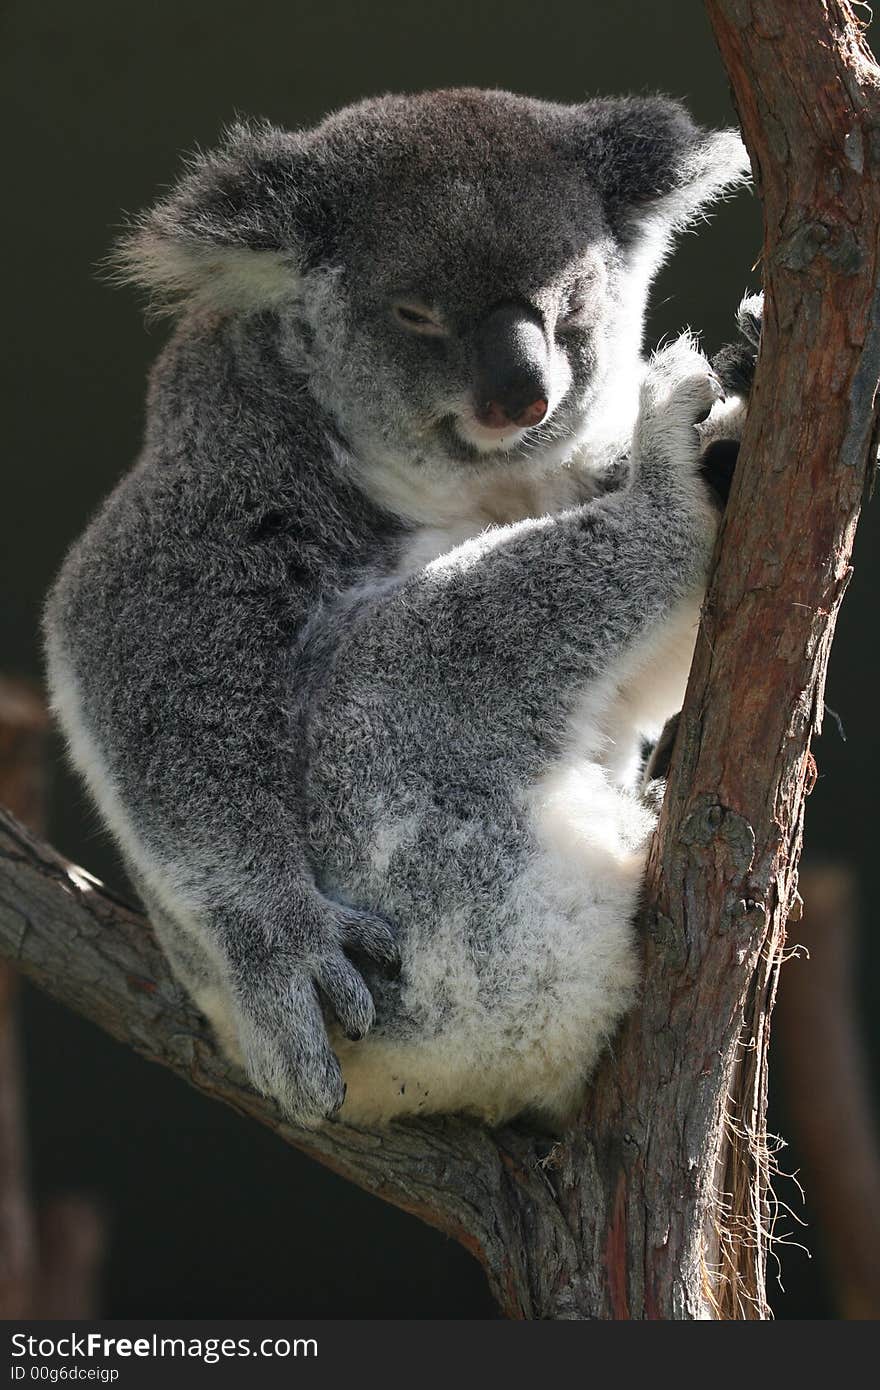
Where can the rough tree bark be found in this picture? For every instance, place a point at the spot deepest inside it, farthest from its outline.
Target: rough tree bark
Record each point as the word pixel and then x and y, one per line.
pixel 656 1206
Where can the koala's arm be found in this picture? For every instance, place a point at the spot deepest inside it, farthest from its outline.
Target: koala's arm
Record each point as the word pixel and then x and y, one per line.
pixel 169 635
pixel 497 641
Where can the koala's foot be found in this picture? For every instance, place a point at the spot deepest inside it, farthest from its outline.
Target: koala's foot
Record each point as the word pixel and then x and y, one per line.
pixel 280 1019
pixel 677 393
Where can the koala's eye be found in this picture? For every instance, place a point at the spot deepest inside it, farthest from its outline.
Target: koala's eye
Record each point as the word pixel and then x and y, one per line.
pixel 416 319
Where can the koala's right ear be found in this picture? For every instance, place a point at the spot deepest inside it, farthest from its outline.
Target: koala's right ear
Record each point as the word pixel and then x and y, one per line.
pixel 227 236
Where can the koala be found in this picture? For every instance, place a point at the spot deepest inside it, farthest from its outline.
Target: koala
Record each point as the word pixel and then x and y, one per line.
pixel 356 662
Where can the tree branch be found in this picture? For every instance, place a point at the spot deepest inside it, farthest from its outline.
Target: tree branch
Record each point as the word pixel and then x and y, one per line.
pixel 656 1206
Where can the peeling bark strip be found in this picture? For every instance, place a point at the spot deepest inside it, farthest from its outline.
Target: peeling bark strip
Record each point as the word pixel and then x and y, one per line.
pixel 656 1206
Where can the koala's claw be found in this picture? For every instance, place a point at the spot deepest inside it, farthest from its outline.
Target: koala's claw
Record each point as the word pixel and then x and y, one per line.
pixel 347 996
pixel 736 362
pixel 370 935
pixel 288 1057
pixel 749 317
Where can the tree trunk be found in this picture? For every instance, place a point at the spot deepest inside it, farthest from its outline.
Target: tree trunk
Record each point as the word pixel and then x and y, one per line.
pixel 656 1206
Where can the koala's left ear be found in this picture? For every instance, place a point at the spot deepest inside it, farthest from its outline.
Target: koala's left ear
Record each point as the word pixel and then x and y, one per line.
pixel 654 167
pixel 228 234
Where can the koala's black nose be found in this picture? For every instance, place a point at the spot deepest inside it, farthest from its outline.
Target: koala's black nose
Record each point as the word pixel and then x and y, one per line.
pixel 511 377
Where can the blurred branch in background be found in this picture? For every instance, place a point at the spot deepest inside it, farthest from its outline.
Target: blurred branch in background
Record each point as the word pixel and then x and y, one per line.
pixel 827 1096
pixel 49 1258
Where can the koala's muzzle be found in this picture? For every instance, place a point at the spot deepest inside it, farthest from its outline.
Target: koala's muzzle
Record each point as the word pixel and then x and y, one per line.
pixel 512 366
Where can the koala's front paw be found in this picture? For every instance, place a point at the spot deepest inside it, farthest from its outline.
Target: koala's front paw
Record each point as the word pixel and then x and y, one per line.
pixel 735 367
pixel 735 363
pixel 678 392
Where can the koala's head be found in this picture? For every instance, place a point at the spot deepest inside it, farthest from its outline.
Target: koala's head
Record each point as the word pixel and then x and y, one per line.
pixel 463 274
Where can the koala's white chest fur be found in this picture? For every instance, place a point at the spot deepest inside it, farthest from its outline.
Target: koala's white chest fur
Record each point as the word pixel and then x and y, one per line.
pixel 447 509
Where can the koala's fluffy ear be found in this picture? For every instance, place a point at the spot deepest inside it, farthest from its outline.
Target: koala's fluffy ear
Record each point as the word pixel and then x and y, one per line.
pixel 226 237
pixel 655 168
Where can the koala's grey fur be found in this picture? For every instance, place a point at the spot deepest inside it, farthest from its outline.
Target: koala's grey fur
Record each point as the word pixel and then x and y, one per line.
pixel 331 658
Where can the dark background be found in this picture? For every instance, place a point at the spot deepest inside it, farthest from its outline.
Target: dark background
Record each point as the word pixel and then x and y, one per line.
pixel 209 1215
